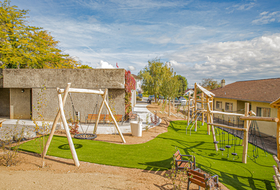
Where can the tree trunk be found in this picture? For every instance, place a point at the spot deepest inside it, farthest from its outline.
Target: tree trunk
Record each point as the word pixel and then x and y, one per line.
pixel 169 107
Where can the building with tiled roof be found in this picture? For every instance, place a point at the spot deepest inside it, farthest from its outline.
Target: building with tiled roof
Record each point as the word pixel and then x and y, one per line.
pixel 259 93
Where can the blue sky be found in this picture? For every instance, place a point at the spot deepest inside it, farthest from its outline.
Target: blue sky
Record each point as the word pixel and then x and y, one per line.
pixel 231 40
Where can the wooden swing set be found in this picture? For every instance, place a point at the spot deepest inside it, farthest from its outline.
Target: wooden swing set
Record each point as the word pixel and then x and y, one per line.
pixel 207 98
pixel 61 114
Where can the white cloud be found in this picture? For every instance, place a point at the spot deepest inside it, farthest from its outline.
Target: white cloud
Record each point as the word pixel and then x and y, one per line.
pixel 131 68
pixel 103 64
pixel 238 60
pixel 244 6
pixel 266 17
pixel 241 7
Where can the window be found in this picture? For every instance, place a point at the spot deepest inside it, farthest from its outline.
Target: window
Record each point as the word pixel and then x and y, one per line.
pixel 263 112
pixel 229 106
pixel 218 105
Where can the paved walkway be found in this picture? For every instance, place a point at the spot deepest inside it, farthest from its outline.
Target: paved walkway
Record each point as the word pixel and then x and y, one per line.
pixel 13 127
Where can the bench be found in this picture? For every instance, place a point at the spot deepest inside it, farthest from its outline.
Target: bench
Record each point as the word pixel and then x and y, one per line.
pixel 118 118
pixel 202 180
pixel 103 117
pixel 93 117
pixel 181 163
pixel 1 121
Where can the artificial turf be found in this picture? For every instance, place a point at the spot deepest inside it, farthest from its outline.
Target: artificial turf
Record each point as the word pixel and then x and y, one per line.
pixel 157 155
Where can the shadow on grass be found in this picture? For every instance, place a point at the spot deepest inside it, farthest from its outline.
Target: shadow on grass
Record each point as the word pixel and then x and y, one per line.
pixel 67 147
pixel 160 165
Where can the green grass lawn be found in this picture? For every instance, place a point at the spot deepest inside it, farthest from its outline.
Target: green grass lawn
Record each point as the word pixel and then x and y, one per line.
pixel 157 155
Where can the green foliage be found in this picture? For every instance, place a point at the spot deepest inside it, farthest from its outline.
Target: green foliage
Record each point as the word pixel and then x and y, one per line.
pixel 210 83
pixel 24 46
pixel 159 79
pixel 183 84
pixel 152 76
pixel 84 67
pixel 171 85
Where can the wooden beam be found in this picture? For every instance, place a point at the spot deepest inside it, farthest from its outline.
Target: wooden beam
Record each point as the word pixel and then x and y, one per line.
pixel 208 115
pixel 275 105
pixel 202 107
pixel 100 110
pixel 202 110
pixel 213 133
pixel 189 107
pixel 276 182
pixel 69 138
pixel 55 121
pixel 226 126
pixel 114 120
pixel 227 113
pixel 208 93
pixel 278 134
pixel 195 105
pixel 84 91
pixel 269 119
pixel 246 135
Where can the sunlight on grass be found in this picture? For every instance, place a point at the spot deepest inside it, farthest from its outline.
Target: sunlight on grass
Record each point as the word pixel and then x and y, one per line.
pixel 157 155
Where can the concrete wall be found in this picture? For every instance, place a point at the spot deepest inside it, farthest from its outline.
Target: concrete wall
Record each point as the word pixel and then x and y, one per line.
pixel 80 78
pixel 268 128
pixel 83 103
pixel 4 102
pixel 45 102
pixel 20 103
pixel 116 101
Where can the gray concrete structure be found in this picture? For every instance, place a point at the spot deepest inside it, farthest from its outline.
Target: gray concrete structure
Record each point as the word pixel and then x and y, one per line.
pixel 27 93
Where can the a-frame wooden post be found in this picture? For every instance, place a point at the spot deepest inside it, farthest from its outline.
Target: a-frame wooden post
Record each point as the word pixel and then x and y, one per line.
pixel 69 138
pixel 61 114
pixel 189 107
pixel 246 134
pixel 111 114
pixel 195 106
pixel 202 107
pixel 100 110
pixel 55 122
pixel 278 134
pixel 208 115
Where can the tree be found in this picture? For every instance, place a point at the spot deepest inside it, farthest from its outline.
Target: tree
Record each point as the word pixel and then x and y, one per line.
pixel 210 83
pixel 152 76
pixel 183 84
pixel 24 46
pixel 170 86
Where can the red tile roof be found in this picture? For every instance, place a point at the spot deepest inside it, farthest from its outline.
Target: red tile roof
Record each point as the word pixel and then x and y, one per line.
pixel 264 90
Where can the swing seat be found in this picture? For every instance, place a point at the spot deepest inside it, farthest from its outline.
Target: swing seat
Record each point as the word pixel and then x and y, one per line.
pixel 88 136
pixel 234 154
pixel 222 149
pixel 228 146
pixel 216 142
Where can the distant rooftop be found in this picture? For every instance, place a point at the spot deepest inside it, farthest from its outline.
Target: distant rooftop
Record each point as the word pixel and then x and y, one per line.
pixel 136 77
pixel 263 90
